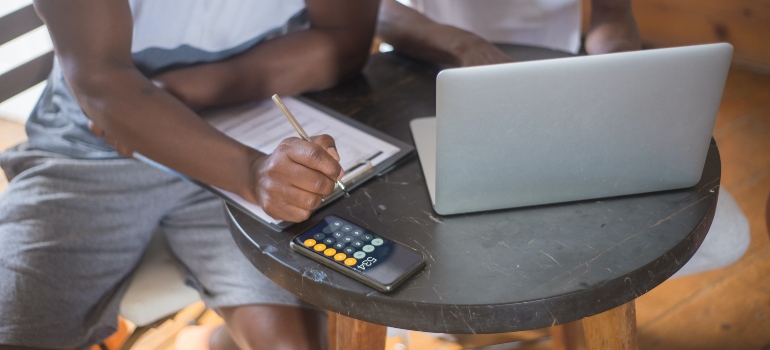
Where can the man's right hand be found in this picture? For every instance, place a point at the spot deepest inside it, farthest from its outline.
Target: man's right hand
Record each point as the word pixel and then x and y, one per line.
pixel 291 182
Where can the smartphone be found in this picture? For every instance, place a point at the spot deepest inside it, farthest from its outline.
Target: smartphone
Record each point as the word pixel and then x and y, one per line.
pixel 365 256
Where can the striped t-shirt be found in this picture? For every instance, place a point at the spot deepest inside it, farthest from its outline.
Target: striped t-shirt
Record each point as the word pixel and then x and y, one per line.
pixel 167 34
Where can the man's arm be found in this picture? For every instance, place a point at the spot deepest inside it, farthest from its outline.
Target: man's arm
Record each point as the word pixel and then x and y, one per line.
pixel 613 28
pixel 92 40
pixel 334 47
pixel 414 34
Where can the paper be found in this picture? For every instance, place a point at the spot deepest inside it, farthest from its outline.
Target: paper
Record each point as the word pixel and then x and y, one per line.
pixel 263 126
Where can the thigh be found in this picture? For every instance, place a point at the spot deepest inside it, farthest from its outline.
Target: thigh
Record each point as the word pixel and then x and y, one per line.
pixel 199 236
pixel 71 231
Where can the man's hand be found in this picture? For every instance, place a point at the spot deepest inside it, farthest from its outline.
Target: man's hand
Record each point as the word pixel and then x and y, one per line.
pixel 613 28
pixel 469 49
pixel 123 150
pixel 416 35
pixel 291 181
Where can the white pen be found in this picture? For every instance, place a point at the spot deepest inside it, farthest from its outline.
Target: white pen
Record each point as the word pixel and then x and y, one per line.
pixel 298 128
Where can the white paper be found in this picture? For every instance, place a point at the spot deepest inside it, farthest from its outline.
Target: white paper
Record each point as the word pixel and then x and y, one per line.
pixel 263 126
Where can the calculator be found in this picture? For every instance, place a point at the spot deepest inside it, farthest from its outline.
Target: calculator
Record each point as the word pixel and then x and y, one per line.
pixel 361 254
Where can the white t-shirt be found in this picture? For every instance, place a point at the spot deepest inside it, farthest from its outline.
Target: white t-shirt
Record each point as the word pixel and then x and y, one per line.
pixel 553 24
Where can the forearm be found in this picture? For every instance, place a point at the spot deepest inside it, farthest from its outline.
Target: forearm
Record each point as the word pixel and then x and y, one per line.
pixel 148 120
pixel 413 34
pixel 303 61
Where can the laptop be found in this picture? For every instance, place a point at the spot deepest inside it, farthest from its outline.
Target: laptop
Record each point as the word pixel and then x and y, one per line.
pixel 530 133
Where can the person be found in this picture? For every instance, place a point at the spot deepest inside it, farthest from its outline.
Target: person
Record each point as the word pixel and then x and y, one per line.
pixel 78 214
pixel 461 33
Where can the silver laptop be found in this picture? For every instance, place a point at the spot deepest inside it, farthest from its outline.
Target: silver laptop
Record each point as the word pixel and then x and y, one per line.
pixel 530 133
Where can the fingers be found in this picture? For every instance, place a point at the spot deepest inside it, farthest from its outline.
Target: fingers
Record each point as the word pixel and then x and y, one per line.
pixel 282 169
pixel 308 179
pixel 286 202
pixel 298 198
pixel 124 151
pixel 327 142
pixel 95 129
pixel 286 212
pixel 99 132
pixel 312 155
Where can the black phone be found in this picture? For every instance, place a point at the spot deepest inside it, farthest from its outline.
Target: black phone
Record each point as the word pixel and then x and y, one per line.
pixel 369 258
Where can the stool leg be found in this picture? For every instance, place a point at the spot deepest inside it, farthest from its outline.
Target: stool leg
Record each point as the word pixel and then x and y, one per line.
pixel 612 329
pixel 565 336
pixel 355 334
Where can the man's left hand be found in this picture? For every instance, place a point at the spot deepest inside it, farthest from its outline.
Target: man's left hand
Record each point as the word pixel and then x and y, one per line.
pixel 612 30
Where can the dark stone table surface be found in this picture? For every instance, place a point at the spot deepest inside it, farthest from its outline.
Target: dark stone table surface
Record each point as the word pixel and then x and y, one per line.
pixel 499 271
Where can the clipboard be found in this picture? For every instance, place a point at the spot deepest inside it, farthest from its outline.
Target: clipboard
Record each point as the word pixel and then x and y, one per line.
pixel 361 171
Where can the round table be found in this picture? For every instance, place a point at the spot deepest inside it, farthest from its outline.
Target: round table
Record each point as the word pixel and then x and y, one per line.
pixel 490 272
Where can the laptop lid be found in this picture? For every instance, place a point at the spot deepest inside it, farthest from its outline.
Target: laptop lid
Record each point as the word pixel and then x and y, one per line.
pixel 541 132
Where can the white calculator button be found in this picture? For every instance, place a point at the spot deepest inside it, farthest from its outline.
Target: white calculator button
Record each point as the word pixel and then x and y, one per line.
pixel 368 248
pixel 359 255
pixel 377 242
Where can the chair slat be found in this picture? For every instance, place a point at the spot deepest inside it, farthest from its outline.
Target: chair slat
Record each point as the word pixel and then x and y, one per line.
pixel 18 23
pixel 25 76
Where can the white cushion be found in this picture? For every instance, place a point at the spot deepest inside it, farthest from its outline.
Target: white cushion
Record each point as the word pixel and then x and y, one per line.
pixel 157 289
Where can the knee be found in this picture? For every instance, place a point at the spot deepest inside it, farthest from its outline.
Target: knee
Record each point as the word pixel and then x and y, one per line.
pixel 257 327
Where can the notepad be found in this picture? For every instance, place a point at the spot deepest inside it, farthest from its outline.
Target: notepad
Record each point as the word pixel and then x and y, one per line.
pixel 364 152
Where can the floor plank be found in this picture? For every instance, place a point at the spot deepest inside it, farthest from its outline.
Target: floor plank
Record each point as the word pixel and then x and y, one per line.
pixel 732 313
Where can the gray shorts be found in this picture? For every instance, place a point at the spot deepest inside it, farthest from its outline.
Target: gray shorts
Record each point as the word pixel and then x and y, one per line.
pixel 72 231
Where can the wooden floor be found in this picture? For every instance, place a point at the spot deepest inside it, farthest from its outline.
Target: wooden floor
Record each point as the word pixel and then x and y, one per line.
pixel 723 309
pixel 727 308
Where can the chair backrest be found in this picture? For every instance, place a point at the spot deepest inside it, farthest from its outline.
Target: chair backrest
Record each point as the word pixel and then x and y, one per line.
pixel 23 77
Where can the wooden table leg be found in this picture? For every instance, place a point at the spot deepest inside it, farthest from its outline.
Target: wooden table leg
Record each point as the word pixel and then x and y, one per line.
pixel 351 333
pixel 565 336
pixel 612 329
pixel 331 326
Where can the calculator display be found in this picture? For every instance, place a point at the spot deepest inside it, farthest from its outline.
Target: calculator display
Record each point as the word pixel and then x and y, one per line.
pixel 358 249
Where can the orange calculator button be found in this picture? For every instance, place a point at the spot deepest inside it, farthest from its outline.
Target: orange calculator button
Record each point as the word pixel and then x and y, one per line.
pixel 319 247
pixel 340 256
pixel 310 242
pixel 330 252
pixel 350 261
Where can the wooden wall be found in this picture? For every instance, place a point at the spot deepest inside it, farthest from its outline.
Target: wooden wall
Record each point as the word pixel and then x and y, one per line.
pixel 743 23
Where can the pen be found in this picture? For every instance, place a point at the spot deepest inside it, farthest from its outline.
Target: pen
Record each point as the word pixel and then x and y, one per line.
pixel 298 128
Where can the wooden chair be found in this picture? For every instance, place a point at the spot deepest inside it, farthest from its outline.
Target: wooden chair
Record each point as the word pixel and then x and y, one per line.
pixel 157 289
